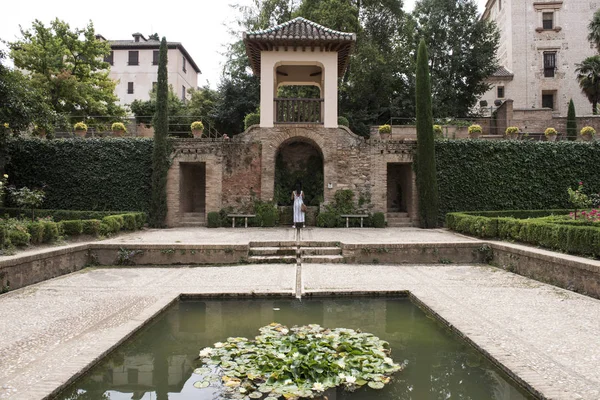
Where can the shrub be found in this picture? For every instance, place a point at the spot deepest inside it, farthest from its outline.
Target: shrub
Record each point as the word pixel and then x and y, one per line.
pixel 328 219
pixel 343 121
pixel 511 130
pixel 251 119
pixel 71 228
pixel 18 237
pixel 50 231
pixel 105 229
pixel 118 126
pixel 571 121
pixel 267 214
pixel 379 220
pixel 385 129
pixel 91 226
pixel 129 222
pixel 80 126
pixel 474 129
pixel 3 236
pixel 213 219
pixel 550 131
pixel 114 223
pixel 140 220
pixel 587 130
pixel 36 231
pixel 197 126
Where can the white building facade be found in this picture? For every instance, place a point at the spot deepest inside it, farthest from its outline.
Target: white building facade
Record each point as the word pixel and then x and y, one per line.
pixel 540 44
pixel 134 65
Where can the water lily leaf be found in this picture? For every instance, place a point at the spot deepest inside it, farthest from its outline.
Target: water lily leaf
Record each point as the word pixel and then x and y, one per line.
pixel 376 385
pixel 201 384
pixel 201 371
pixel 255 395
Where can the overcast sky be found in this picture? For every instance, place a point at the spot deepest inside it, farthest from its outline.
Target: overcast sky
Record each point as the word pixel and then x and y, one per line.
pixel 200 25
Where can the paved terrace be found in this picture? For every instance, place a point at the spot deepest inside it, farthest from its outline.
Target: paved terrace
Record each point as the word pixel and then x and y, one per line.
pixel 546 335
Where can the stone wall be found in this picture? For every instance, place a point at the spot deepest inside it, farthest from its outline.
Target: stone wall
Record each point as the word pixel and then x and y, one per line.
pixel 238 169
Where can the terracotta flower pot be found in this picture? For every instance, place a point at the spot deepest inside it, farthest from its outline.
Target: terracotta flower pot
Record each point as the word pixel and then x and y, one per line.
pixel 385 136
pixel 475 135
pixel 551 138
pixel 197 132
pixel 587 138
pixel 80 133
pixel 119 133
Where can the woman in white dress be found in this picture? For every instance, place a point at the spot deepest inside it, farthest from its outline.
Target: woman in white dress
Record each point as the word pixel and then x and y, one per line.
pixel 298 197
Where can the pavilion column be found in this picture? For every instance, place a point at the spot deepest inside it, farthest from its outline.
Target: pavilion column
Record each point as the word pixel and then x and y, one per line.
pixel 330 92
pixel 267 92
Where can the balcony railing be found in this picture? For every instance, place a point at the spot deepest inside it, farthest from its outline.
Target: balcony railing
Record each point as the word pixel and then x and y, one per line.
pixel 298 111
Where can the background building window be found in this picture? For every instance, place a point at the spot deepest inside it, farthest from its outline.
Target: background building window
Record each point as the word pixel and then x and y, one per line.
pixel 134 57
pixel 548 100
pixel 129 87
pixel 549 63
pixel 500 92
pixel 548 20
pixel 184 69
pixel 183 93
pixel 155 57
pixel 499 5
pixel 109 58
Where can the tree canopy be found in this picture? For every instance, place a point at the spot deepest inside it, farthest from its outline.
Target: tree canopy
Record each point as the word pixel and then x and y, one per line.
pixel 588 76
pixel 67 67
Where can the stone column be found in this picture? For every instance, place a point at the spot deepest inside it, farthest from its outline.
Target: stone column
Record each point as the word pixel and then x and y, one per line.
pixel 267 90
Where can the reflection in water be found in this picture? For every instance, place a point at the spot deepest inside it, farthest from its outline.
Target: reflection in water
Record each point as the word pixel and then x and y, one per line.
pixel 158 363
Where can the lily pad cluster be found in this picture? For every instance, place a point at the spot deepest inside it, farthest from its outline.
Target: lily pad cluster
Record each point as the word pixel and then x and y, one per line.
pixel 298 362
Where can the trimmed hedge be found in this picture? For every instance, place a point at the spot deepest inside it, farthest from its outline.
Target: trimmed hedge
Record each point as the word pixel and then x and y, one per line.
pixel 91 174
pixel 213 219
pixel 48 231
pixel 58 215
pixel 379 220
pixel 513 175
pixel 570 238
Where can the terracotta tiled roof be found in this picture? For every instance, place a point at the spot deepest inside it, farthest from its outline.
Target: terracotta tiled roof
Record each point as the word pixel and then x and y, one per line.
pixel 503 73
pixel 300 29
pixel 299 33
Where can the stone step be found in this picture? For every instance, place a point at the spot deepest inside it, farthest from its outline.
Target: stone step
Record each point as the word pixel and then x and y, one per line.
pixel 272 251
pixel 320 251
pixel 272 259
pixel 190 219
pixel 288 243
pixel 194 215
pixel 188 224
pixel 398 220
pixel 309 243
pixel 322 259
pixel 400 225
pixel 397 215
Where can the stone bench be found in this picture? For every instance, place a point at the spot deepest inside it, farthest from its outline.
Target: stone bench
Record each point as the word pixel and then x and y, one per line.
pixel 245 216
pixel 348 216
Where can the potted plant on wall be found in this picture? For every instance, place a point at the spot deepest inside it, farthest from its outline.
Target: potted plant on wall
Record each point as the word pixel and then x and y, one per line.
pixel 550 134
pixel 512 132
pixel 438 133
pixel 475 131
pixel 118 129
pixel 587 133
pixel 197 129
pixel 385 131
pixel 80 129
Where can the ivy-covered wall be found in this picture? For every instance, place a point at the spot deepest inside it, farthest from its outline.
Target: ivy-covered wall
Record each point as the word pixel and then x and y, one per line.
pixel 478 175
pixel 85 174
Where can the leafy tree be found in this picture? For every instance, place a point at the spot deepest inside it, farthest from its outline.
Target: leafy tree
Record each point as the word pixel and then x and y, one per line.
pixel 588 76
pixel 154 36
pixel 462 50
pixel 67 66
pixel 594 29
pixel 179 122
pixel 202 105
pixel 425 168
pixel 571 122
pixel 160 162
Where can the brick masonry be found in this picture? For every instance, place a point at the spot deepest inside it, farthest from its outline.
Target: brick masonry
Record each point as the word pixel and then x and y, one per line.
pixel 244 167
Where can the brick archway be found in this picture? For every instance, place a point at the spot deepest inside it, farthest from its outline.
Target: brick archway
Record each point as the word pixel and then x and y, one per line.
pixel 277 138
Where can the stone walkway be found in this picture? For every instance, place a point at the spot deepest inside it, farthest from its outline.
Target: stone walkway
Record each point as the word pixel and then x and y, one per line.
pixel 547 336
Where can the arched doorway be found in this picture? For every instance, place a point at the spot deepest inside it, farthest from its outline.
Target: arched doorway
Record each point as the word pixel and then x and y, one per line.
pixel 299 160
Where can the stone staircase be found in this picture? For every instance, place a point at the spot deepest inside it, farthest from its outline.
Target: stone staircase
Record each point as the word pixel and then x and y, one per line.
pixel 292 252
pixel 398 220
pixel 193 219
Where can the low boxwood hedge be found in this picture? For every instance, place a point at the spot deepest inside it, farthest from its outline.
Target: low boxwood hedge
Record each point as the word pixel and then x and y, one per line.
pixel 574 237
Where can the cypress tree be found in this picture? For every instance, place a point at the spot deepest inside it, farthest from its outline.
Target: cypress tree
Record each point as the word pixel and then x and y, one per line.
pixel 571 122
pixel 425 161
pixel 160 161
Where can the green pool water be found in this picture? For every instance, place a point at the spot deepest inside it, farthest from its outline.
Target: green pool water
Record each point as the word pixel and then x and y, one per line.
pixel 158 362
